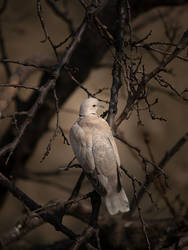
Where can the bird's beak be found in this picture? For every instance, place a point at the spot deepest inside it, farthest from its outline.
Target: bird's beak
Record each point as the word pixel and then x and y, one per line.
pixel 100 106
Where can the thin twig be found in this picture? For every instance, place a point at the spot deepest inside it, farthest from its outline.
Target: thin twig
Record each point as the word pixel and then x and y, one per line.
pixel 141 217
pixel 3 47
pixel 168 155
pixel 32 205
pixel 44 91
pixel 85 89
pixel 62 14
pixel 27 64
pixel 143 158
pixel 24 113
pixel 140 91
pixel 18 86
pixel 47 37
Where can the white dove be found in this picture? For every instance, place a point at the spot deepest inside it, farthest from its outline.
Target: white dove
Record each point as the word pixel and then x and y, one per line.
pixel 95 149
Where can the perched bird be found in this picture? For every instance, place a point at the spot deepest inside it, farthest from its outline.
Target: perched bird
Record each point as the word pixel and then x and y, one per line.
pixel 95 149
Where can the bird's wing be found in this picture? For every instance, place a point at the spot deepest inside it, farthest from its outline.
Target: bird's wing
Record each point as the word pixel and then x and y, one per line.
pixel 81 141
pixel 104 154
pixel 82 147
pixel 115 150
pixel 95 149
pixel 108 134
pixel 106 161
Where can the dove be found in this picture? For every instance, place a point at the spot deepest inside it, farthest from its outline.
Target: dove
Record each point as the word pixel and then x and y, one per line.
pixel 95 149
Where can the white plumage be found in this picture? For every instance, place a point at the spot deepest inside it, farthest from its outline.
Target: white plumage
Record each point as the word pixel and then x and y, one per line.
pixel 95 149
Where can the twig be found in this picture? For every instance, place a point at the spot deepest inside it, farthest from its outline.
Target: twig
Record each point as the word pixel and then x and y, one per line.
pixel 24 113
pixel 63 42
pixel 62 14
pixel 166 84
pixel 38 215
pixel 30 222
pixel 27 64
pixel 2 46
pixel 19 76
pixel 32 205
pixel 86 235
pixel 18 86
pixel 134 179
pixel 132 99
pixel 68 165
pixel 117 68
pixel 143 158
pixel 168 155
pixel 157 182
pixel 100 91
pixel 47 37
pixel 148 47
pixel 171 94
pixel 77 187
pixel 66 141
pixel 48 148
pixel 44 91
pixel 85 89
pixel 73 195
pixel 141 217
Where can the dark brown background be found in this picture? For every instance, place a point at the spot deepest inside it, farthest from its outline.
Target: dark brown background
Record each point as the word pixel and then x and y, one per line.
pixel 22 35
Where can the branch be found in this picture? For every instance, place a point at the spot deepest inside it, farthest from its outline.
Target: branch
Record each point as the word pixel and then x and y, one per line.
pixel 117 68
pixel 64 88
pixel 145 161
pixel 168 155
pixel 2 45
pixel 84 238
pixel 47 37
pixel 18 86
pixel 62 14
pixel 32 205
pixel 34 220
pixel 138 93
pixel 28 64
pixel 21 74
pixel 44 91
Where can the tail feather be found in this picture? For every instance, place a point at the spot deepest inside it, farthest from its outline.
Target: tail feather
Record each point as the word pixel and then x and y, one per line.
pixel 117 202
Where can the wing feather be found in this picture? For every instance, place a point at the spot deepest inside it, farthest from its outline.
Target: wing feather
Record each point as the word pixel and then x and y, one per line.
pixel 106 162
pixel 96 151
pixel 81 144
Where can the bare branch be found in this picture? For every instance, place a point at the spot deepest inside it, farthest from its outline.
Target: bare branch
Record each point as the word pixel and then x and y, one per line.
pixel 18 86
pixel 141 217
pixel 2 45
pixel 168 155
pixel 132 99
pixel 44 91
pixel 116 72
pixel 47 37
pixel 62 14
pixel 27 64
pixel 32 205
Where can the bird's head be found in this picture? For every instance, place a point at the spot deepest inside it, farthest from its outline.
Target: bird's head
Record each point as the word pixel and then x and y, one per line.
pixel 89 106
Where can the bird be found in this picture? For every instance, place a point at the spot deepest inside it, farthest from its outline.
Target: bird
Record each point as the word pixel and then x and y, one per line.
pixel 94 146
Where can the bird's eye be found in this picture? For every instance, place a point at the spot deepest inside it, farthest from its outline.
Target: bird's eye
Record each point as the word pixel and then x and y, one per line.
pixel 94 105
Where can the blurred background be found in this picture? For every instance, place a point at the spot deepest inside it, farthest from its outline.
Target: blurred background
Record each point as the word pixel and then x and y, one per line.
pixel 22 35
